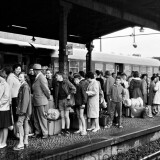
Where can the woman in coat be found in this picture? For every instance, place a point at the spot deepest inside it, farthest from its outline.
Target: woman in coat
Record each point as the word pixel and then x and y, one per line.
pixel 5 115
pixel 14 85
pixel 24 110
pixel 135 88
pixel 156 99
pixel 152 93
pixel 144 88
pixel 93 102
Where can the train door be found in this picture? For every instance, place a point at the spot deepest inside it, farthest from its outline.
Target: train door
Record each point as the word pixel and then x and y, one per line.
pixel 118 68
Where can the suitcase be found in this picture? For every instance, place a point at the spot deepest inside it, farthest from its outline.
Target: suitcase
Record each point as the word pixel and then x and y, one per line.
pixel 74 124
pixel 103 120
pixel 54 127
pixel 127 111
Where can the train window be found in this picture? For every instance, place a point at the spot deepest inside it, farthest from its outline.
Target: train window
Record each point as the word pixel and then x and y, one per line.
pixel 149 71
pixel 143 70
pixel 136 68
pixel 127 69
pixel 99 66
pixel 110 67
pixel 156 70
pixel 74 66
pixel 84 66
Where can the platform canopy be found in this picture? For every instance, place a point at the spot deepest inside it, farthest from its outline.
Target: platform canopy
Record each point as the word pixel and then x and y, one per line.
pixel 87 19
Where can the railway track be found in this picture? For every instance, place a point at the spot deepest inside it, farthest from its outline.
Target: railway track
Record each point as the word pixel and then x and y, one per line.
pixel 153 156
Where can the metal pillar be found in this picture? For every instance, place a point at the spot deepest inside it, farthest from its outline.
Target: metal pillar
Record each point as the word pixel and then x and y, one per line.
pixel 63 57
pixel 89 47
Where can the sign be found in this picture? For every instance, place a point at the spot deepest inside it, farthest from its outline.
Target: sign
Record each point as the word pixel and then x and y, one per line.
pixel 69 49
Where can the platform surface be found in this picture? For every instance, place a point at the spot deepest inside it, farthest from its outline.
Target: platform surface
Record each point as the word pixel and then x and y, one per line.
pixel 44 148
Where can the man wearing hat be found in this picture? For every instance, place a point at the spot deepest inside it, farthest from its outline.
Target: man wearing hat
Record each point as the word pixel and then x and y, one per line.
pixel 41 94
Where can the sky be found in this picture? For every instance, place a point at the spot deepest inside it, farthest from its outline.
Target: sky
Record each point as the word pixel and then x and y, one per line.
pixel 147 45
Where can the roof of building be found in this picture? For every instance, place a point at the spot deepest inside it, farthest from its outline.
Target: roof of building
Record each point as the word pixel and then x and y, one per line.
pixel 87 19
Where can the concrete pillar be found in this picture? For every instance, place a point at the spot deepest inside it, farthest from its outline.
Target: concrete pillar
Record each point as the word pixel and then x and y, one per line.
pixel 63 57
pixel 89 47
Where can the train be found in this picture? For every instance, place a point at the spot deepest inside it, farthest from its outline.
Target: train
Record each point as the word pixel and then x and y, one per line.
pixel 29 53
pixel 111 62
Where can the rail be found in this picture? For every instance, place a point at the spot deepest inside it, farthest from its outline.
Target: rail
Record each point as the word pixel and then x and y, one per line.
pixel 154 156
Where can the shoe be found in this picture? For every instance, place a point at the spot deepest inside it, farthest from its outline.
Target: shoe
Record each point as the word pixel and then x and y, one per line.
pixel 120 126
pixel 26 145
pixel 77 132
pixel 92 128
pixel 67 132
pixel 17 148
pixel 108 126
pixel 36 136
pixel 83 133
pixel 95 130
pixel 45 137
pixel 3 146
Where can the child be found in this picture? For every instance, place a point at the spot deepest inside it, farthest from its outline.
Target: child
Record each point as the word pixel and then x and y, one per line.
pixel 116 96
pixel 80 102
pixel 24 110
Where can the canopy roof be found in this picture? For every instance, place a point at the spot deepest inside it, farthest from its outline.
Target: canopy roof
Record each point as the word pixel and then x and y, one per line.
pixel 87 19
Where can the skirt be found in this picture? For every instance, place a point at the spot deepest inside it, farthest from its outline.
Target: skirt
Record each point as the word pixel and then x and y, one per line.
pixel 5 119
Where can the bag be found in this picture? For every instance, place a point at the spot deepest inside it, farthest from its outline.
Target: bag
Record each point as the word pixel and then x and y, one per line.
pixel 103 118
pixel 71 101
pixel 103 104
pixel 53 114
pixel 54 127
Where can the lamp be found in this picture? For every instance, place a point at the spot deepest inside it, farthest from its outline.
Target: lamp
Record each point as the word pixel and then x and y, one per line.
pixel 33 39
pixel 141 29
pixel 134 40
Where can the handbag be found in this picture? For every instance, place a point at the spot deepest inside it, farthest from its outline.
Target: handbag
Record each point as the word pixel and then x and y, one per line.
pixel 53 114
pixel 103 104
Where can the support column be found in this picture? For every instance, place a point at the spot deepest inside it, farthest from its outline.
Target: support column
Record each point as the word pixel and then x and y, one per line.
pixel 63 57
pixel 89 47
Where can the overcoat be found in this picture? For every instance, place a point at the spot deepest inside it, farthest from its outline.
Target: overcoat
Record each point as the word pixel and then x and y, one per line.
pixel 93 99
pixel 41 92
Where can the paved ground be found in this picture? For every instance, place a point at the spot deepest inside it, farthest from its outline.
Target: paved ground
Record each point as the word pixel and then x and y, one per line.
pixel 39 148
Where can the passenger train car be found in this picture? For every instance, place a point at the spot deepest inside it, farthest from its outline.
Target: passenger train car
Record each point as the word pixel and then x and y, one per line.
pixel 113 63
pixel 28 53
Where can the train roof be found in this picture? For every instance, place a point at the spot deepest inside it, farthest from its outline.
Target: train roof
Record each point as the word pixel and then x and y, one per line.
pixel 80 54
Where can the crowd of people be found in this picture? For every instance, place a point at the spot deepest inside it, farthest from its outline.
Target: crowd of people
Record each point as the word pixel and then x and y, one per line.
pixel 25 97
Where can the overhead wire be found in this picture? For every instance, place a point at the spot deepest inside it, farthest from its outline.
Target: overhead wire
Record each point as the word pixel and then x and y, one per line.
pixel 130 35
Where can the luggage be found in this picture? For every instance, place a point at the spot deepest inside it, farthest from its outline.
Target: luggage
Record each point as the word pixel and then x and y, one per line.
pixel 54 127
pixel 103 119
pixel 127 111
pixel 74 124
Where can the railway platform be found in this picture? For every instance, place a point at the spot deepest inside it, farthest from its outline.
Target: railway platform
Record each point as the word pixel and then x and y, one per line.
pixel 99 145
